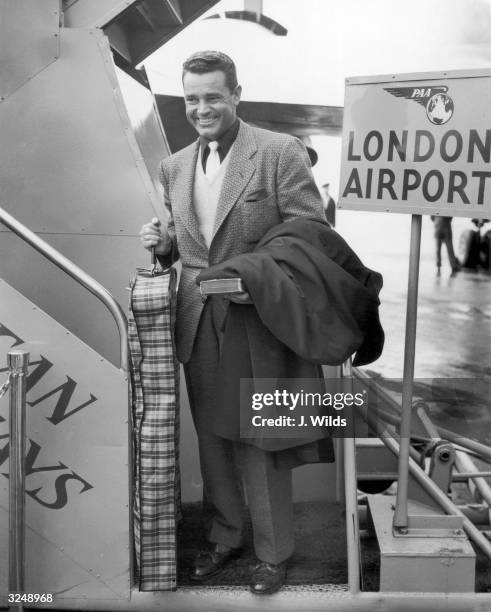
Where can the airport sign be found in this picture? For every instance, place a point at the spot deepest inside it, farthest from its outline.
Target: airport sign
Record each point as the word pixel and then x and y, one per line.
pixel 418 143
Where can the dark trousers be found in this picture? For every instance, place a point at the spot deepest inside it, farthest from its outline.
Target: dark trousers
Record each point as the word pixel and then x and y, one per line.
pixel 447 241
pixel 443 235
pixel 233 471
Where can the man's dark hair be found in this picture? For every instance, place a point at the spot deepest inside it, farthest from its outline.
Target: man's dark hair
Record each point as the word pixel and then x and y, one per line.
pixel 209 61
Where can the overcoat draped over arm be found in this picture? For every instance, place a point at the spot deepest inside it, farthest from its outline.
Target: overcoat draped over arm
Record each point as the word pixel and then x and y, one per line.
pixel 314 302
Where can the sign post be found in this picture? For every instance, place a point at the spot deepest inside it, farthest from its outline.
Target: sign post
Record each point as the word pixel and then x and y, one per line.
pixel 401 511
pixel 416 144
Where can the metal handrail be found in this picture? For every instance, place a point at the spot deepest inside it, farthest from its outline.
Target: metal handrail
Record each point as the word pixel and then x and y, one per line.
pixel 459 441
pixel 77 274
pixel 418 473
pixel 17 363
pixel 352 521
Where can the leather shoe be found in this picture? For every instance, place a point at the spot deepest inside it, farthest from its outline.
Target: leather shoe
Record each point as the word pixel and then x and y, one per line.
pixel 211 562
pixel 267 578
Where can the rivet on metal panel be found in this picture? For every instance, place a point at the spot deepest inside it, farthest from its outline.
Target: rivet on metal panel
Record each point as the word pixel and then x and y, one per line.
pixel 98 575
pixel 67 333
pixel 101 359
pixel 61 548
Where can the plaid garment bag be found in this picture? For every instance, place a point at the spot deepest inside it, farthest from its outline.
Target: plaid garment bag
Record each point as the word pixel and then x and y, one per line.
pixel 154 375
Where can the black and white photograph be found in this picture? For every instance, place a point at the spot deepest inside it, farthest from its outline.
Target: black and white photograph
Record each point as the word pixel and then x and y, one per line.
pixel 245 305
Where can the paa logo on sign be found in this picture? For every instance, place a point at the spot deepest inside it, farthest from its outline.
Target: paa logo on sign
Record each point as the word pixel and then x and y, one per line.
pixel 439 106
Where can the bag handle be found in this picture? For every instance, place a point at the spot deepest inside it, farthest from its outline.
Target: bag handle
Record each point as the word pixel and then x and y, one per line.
pixel 155 267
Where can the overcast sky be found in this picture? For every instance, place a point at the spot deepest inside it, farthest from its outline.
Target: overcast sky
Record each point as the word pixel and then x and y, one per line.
pixel 329 40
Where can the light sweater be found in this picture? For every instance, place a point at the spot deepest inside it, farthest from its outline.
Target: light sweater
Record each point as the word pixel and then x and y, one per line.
pixel 206 195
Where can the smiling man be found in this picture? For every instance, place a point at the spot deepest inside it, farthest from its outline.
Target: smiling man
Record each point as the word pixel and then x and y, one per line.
pixel 220 94
pixel 223 193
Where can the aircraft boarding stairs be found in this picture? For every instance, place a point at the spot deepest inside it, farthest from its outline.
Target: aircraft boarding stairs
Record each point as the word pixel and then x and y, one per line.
pixel 78 483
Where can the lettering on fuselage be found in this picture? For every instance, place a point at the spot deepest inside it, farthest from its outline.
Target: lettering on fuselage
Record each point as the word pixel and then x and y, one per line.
pixel 55 495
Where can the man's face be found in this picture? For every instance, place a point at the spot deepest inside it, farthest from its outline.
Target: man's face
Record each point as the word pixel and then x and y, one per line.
pixel 211 108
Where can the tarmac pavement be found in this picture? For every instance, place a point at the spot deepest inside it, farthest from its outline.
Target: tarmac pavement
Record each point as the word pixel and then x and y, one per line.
pixel 453 341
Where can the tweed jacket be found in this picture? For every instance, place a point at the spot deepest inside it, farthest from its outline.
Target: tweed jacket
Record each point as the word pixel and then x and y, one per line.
pixel 268 180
